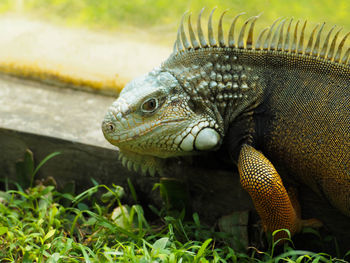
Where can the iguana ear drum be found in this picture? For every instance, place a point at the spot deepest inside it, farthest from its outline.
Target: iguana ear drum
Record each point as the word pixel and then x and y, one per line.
pixel 207 139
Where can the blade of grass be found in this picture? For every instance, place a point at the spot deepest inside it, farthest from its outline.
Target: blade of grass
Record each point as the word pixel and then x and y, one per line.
pixel 202 249
pixel 50 156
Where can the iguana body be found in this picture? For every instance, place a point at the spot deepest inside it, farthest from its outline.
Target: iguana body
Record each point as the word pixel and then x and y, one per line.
pixel 280 108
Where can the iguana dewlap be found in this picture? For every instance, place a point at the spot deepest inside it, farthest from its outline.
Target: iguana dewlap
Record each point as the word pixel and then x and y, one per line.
pixel 279 106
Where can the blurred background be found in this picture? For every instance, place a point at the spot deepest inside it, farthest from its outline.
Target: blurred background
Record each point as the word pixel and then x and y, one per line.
pixel 159 14
pixel 105 43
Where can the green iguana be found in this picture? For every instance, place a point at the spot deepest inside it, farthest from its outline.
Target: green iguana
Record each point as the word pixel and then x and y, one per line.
pixel 279 107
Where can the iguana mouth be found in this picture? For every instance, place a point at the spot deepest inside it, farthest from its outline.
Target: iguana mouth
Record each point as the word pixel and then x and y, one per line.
pixel 109 130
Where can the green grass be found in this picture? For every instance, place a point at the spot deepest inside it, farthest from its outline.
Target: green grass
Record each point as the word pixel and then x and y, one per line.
pixel 36 227
pixel 41 224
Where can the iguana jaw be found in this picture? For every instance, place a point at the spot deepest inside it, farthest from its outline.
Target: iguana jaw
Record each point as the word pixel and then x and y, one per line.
pixel 141 163
pixel 163 139
pixel 128 132
pixel 145 147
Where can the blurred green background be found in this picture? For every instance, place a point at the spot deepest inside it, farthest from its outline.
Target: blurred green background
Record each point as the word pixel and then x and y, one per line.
pixel 136 34
pixel 116 14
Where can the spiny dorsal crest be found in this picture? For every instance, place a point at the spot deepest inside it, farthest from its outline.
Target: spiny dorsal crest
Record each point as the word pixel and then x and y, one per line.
pixel 277 38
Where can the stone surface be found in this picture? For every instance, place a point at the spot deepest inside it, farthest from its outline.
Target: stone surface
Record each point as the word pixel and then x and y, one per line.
pixel 74 167
pixel 63 113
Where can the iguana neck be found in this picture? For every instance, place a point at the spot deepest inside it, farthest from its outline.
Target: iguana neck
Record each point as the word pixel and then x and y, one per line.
pixel 224 86
pixel 228 82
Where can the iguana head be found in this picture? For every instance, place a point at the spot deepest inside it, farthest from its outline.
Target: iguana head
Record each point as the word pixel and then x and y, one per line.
pixel 154 118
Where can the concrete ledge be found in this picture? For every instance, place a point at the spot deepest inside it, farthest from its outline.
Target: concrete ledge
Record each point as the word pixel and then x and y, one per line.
pixel 76 164
pixel 51 111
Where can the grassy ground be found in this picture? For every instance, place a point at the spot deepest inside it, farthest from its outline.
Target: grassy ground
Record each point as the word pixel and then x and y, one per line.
pixel 40 224
pixel 36 226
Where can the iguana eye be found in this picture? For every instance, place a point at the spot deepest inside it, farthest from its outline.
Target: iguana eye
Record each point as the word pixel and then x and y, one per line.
pixel 149 105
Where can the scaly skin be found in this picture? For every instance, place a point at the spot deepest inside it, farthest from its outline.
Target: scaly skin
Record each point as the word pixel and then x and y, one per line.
pixel 282 113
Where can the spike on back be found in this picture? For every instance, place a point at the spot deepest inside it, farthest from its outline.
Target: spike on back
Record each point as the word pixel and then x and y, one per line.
pixel 317 43
pixel 280 39
pixel 267 40
pixel 212 41
pixel 231 33
pixel 200 31
pixel 301 39
pixel 325 44
pixel 331 49
pixel 295 38
pixel 279 31
pixel 251 32
pixel 346 57
pixel 193 39
pixel 258 44
pixel 287 39
pixel 340 47
pixel 277 40
pixel 185 42
pixel 310 42
pixel 221 31
pixel 241 34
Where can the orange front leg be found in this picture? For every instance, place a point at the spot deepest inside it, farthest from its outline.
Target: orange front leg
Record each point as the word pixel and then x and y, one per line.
pixel 260 179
